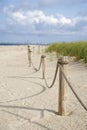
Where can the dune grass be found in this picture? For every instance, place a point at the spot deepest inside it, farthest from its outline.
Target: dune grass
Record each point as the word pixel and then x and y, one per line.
pixel 77 49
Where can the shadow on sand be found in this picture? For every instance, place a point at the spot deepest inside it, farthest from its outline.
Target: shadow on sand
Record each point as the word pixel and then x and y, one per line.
pixel 22 98
pixel 28 108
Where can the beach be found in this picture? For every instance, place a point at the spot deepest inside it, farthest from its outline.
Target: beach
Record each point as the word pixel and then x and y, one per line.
pixel 25 101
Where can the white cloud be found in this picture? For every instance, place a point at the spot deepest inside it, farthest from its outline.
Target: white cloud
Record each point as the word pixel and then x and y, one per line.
pixel 65 21
pixel 37 21
pixel 18 16
pixel 36 17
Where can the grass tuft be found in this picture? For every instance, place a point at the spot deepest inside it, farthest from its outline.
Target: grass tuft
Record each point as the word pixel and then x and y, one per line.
pixel 77 49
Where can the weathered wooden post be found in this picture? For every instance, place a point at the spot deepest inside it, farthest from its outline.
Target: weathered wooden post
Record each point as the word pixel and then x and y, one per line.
pixel 62 87
pixel 29 55
pixel 43 66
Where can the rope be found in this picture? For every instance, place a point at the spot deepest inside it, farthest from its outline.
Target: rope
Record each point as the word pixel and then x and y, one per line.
pixel 55 75
pixel 38 67
pixel 80 101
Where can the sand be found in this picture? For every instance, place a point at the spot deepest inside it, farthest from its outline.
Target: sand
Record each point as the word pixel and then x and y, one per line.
pixel 25 101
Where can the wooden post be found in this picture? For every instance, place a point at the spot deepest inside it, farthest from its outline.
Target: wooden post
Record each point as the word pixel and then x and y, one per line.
pixel 43 66
pixel 62 87
pixel 29 55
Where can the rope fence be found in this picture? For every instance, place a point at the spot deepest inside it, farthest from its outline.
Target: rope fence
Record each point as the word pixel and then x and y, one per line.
pixel 61 66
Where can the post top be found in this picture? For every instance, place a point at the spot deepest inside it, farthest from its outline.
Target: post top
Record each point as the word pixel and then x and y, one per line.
pixel 30 50
pixel 63 60
pixel 43 56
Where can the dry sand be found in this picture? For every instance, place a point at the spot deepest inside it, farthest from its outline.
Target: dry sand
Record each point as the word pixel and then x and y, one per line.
pixel 25 101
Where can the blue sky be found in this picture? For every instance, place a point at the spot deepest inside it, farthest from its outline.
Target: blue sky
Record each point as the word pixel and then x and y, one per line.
pixel 43 21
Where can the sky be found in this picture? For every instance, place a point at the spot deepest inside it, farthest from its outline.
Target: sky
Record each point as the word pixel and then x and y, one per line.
pixel 43 21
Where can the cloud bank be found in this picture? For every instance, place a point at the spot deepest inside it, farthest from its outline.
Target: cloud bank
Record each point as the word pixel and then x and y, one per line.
pixel 39 22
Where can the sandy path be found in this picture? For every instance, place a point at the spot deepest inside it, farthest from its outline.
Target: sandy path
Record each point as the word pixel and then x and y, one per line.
pixel 26 103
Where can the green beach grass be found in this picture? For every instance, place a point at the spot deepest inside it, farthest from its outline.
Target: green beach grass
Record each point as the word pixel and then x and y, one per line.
pixel 77 49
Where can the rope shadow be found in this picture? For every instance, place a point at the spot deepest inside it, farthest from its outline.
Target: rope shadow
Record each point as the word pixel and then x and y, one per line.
pixel 21 77
pixel 30 108
pixel 33 122
pixel 23 98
